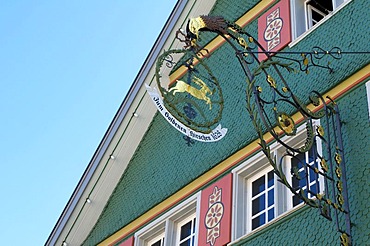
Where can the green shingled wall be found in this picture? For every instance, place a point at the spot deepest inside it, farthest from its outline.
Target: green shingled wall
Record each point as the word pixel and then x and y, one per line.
pixel 163 163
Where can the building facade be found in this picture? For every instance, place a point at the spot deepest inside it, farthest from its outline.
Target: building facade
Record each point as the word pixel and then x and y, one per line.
pixel 241 153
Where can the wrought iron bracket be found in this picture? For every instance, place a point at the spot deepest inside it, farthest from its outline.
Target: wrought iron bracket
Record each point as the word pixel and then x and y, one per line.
pixel 271 111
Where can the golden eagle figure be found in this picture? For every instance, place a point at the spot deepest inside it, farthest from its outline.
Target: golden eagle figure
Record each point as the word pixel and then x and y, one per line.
pixel 205 23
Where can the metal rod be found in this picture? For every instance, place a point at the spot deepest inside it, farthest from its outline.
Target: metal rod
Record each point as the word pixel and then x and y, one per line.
pixel 306 52
pixel 344 175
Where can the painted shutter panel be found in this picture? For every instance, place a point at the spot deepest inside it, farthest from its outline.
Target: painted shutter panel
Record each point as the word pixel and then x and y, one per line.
pixel 215 213
pixel 274 28
pixel 128 242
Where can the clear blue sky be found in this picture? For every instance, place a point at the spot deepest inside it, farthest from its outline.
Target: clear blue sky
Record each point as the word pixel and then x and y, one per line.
pixel 65 67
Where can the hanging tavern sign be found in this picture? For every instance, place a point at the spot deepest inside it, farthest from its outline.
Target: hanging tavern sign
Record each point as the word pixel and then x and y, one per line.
pixel 193 103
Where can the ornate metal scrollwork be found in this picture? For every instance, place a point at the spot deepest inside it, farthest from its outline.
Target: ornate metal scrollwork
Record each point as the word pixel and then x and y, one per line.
pixel 271 106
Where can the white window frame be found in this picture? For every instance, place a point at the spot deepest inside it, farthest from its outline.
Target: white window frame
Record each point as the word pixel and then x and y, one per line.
pixel 249 182
pixel 256 166
pixel 299 18
pixel 168 224
pixel 368 95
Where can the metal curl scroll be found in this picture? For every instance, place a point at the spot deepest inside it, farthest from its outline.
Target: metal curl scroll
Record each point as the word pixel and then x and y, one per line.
pixel 169 61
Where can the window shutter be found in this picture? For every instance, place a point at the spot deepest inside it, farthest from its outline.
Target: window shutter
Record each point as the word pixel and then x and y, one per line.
pixel 274 29
pixel 128 242
pixel 215 213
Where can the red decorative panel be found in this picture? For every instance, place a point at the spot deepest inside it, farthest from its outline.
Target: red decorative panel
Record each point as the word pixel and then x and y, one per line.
pixel 215 213
pixel 274 30
pixel 128 242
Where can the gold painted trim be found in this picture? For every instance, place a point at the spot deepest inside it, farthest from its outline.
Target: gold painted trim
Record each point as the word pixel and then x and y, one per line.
pixel 337 92
pixel 218 41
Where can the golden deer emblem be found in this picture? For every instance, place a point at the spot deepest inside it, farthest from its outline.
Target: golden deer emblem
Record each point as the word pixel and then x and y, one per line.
pixel 201 93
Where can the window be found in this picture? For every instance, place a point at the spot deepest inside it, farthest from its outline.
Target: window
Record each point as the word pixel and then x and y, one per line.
pixel 258 196
pixel 256 190
pixel 177 227
pixel 310 183
pixel 186 232
pixel 262 196
pixel 316 11
pixel 307 13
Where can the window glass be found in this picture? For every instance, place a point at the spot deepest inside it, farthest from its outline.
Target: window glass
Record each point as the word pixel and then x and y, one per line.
pixel 185 230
